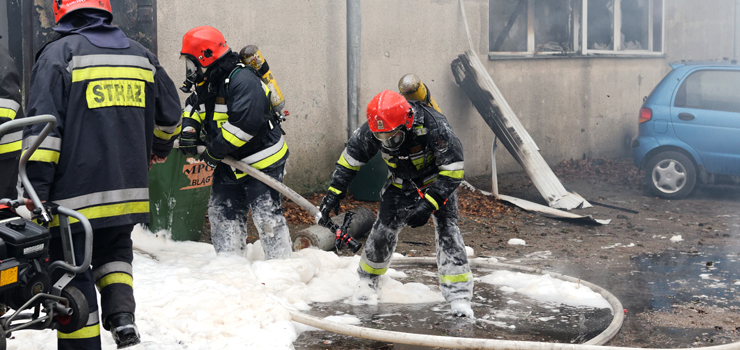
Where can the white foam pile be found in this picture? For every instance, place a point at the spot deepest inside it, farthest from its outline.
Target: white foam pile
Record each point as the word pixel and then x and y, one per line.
pixel 190 298
pixel 546 289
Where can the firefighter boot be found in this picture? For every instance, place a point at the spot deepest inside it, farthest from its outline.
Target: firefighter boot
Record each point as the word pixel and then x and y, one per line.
pixel 123 329
pixel 366 291
pixel 461 308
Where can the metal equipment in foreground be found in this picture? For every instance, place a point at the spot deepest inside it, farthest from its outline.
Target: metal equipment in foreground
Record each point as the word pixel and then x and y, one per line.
pixel 26 286
pixel 318 236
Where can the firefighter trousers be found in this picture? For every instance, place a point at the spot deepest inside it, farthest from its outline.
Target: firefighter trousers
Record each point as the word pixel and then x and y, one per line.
pixel 110 272
pixel 455 278
pixel 9 177
pixel 229 207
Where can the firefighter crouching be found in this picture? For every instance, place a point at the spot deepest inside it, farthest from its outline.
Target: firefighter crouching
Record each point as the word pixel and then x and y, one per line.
pixel 425 160
pixel 117 113
pixel 231 105
pixel 10 143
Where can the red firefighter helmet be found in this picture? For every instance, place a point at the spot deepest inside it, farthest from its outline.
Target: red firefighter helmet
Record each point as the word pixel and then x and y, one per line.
pixel 387 111
pixel 65 7
pixel 204 45
pixel 389 115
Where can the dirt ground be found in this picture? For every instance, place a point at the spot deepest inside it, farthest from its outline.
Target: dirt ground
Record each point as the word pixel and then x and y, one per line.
pixel 676 292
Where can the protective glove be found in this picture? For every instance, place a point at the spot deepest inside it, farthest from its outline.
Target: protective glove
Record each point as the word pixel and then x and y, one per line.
pixel 189 141
pixel 209 159
pixel 330 201
pixel 420 214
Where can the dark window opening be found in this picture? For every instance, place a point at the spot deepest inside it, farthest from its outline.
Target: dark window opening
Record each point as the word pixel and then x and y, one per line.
pixel 508 25
pixel 553 26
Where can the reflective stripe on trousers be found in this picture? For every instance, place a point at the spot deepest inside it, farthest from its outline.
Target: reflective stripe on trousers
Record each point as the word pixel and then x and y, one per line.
pixel 456 280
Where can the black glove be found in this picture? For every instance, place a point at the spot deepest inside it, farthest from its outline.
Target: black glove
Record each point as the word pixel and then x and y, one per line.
pixel 210 160
pixel 189 143
pixel 330 201
pixel 420 214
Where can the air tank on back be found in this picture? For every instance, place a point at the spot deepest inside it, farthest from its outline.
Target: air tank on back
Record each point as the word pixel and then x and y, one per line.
pixel 251 56
pixel 412 88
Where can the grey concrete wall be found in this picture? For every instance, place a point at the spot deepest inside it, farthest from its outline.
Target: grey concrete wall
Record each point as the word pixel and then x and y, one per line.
pixel 571 106
pixel 700 30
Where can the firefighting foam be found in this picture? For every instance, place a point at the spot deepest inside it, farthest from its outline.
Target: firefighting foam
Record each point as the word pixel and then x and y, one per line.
pixel 187 295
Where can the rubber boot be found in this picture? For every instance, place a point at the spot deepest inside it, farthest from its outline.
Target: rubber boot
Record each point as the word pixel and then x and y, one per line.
pixel 461 308
pixel 123 329
pixel 366 291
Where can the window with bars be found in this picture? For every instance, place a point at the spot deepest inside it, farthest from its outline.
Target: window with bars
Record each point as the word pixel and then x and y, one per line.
pixel 528 28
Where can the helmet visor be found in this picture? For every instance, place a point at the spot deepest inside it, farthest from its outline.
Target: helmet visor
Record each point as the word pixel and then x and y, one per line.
pixel 391 139
pixel 193 72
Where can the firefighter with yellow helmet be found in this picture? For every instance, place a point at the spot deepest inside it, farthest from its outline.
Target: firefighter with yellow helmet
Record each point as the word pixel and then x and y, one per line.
pixel 232 107
pixel 117 113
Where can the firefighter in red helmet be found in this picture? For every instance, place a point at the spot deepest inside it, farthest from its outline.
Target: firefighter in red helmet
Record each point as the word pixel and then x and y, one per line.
pixel 231 105
pixel 425 160
pixel 117 113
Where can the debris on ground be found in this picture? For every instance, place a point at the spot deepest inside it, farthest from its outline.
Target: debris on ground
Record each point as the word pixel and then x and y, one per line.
pixel 614 171
pixel 471 203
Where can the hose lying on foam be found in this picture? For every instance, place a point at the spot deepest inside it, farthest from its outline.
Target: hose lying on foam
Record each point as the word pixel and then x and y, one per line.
pixel 492 344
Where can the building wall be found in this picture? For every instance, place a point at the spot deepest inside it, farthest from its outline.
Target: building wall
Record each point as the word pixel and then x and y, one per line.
pixel 571 106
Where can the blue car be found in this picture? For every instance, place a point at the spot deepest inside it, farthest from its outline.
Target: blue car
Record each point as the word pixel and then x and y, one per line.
pixel 689 129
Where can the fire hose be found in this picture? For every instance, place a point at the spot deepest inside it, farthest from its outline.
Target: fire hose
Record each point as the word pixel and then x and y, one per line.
pixel 342 236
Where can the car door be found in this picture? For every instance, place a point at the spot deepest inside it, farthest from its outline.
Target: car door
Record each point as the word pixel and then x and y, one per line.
pixel 705 114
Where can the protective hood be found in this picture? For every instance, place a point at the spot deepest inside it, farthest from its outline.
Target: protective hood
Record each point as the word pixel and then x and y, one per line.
pixel 95 26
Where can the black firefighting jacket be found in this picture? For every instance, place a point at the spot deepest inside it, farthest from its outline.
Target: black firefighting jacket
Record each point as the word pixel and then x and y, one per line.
pixel 430 160
pixel 10 105
pixel 234 112
pixel 114 107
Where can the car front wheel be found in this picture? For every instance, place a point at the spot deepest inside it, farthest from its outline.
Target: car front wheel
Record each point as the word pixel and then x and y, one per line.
pixel 670 175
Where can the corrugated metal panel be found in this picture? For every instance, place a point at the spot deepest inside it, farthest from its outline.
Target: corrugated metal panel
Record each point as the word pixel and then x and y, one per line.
pixel 470 74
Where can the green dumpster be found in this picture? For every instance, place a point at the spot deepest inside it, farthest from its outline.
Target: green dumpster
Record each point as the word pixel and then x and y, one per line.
pixel 369 180
pixel 178 196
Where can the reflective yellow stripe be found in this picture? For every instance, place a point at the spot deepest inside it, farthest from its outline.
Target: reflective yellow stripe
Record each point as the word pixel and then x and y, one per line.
pixel 335 190
pixel 431 200
pixel 392 165
pixel 220 118
pixel 343 162
pixel 11 147
pixel 7 113
pixel 84 333
pixel 456 174
pixel 398 185
pixel 160 134
pixel 232 139
pixel 83 74
pixel 194 116
pixel 455 278
pixel 105 211
pixel 367 268
pixel 271 159
pixel 42 155
pixel 113 278
pixel 419 163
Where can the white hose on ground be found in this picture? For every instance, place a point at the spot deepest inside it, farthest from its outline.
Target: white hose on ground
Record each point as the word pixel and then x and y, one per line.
pixel 489 344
